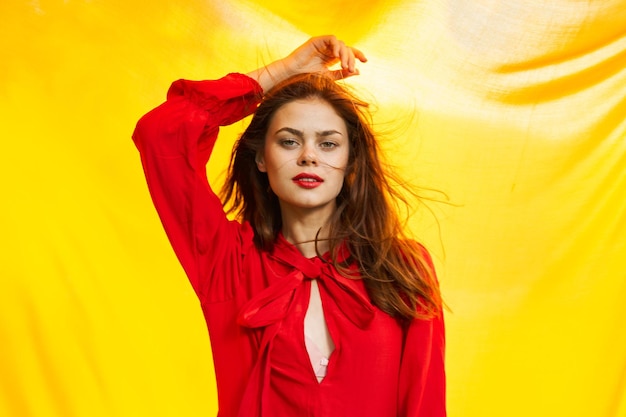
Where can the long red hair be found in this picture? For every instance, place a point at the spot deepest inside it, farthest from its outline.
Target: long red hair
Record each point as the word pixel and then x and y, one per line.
pixel 397 271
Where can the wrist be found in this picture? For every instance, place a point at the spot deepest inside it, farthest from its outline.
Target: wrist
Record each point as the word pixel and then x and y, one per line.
pixel 272 74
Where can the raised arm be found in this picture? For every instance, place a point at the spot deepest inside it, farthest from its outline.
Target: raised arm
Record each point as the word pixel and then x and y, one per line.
pixel 175 141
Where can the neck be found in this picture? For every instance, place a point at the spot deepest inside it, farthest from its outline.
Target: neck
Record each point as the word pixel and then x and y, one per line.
pixel 301 230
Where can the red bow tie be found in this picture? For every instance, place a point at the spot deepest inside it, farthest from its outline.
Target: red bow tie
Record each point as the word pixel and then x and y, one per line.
pixel 272 304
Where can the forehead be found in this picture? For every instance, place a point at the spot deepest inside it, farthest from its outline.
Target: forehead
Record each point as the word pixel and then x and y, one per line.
pixel 307 114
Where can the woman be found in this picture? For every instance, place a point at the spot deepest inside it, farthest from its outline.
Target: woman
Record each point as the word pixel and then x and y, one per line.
pixel 315 303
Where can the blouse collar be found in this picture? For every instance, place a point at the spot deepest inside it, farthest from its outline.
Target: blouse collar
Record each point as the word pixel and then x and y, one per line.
pixel 272 304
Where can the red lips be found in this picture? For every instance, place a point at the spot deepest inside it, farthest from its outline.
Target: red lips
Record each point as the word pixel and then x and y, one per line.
pixel 306 180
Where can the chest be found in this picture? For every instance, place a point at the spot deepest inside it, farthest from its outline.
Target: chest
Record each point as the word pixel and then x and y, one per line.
pixel 349 350
pixel 328 311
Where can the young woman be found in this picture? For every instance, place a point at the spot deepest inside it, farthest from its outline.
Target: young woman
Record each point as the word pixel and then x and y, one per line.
pixel 316 303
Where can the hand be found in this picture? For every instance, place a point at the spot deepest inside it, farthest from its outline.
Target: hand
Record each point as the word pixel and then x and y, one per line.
pixel 322 52
pixel 317 54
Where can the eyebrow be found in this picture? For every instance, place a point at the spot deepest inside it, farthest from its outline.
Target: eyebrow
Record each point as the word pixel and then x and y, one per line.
pixel 300 134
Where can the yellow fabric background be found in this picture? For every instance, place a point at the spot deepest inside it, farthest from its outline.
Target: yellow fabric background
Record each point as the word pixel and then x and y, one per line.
pixel 516 110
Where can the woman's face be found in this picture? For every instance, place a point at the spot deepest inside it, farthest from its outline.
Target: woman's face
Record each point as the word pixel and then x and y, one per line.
pixel 305 156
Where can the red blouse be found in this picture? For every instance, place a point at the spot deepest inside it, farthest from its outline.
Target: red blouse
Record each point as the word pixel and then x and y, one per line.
pixel 254 302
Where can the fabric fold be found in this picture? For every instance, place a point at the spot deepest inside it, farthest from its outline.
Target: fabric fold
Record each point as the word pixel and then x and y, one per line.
pixel 272 304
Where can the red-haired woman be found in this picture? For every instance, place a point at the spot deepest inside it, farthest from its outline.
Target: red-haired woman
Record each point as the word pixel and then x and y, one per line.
pixel 315 301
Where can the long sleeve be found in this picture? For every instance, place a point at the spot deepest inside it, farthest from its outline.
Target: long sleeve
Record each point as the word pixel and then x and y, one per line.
pixel 175 141
pixel 422 376
pixel 422 385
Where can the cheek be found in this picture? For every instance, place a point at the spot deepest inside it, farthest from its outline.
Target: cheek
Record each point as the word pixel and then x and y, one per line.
pixel 278 169
pixel 277 165
pixel 338 161
pixel 337 171
pixel 276 159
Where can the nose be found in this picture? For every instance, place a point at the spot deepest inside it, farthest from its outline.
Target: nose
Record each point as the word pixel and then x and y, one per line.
pixel 307 157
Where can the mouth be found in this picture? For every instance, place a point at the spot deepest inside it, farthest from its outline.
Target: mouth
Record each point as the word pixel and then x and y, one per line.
pixel 305 180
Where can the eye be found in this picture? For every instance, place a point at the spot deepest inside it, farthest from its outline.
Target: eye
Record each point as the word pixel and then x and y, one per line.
pixel 288 143
pixel 328 145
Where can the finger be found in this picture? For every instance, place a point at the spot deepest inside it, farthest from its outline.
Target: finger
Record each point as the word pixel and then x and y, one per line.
pixel 349 56
pixel 346 57
pixel 342 54
pixel 351 61
pixel 359 55
pixel 341 74
pixel 335 45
